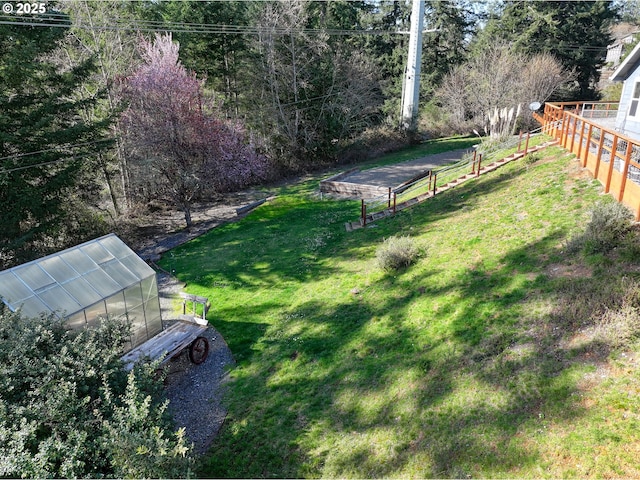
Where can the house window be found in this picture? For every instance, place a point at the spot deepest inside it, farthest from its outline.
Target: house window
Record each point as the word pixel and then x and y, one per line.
pixel 634 111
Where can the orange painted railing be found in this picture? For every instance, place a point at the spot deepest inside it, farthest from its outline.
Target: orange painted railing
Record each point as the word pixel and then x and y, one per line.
pixel 612 158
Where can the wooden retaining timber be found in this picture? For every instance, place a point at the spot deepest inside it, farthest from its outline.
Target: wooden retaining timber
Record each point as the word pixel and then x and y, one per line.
pixel 352 189
pixel 252 205
pixel 368 218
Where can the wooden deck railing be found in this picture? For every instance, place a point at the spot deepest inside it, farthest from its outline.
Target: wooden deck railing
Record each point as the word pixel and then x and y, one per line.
pixel 612 158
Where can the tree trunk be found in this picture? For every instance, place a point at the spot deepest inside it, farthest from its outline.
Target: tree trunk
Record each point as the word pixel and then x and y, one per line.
pixel 186 208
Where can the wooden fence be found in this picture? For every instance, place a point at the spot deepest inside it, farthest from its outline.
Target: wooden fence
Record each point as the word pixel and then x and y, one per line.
pixel 612 158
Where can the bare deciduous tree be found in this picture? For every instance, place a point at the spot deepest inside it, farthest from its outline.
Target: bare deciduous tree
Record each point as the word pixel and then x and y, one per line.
pixel 499 80
pixel 313 94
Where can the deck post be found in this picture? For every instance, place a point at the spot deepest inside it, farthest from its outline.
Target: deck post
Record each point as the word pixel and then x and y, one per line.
pixel 625 170
pixel 581 139
pixel 479 165
pixel 612 160
pixel 599 154
pixel 588 149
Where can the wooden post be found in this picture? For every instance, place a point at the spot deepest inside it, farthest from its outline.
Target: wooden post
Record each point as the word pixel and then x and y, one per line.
pixel 573 133
pixel 588 149
pixel 519 142
pixel 389 202
pixel 599 154
pixel 581 139
pixel 526 144
pixel 612 160
pixel 435 180
pixel 566 123
pixel 625 170
pixel 479 165
pixel 363 213
pixel 473 165
pixel 394 202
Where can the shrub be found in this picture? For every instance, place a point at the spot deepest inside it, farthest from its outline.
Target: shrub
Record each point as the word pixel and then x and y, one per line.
pixel 68 409
pixel 397 252
pixel 609 225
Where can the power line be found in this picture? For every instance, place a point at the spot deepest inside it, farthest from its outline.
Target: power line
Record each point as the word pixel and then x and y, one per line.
pixel 20 155
pixel 181 27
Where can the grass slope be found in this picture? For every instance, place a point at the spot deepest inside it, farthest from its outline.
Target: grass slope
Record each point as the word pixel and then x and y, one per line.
pixel 483 359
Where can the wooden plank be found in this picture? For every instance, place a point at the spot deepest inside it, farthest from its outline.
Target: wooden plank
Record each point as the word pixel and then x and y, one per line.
pixel 166 344
pixel 193 298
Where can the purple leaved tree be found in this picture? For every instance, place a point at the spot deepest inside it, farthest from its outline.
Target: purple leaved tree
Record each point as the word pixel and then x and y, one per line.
pixel 180 149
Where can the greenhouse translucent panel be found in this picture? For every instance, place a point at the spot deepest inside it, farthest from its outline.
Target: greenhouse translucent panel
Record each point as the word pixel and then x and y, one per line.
pixel 133 296
pixel 115 305
pixel 57 299
pixel 84 293
pixel 58 269
pixel 32 307
pixel 34 276
pixel 136 316
pixel 116 247
pixel 120 273
pixel 149 288
pixel 137 266
pixel 76 321
pixel 138 325
pixel 13 289
pixel 102 282
pixel 95 313
pixel 152 312
pixel 80 262
pixel 138 336
pixel 97 253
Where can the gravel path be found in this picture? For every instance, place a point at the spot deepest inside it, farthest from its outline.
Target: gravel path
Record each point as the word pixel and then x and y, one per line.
pixel 195 391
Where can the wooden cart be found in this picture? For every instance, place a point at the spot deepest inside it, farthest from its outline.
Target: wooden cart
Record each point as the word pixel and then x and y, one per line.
pixel 186 332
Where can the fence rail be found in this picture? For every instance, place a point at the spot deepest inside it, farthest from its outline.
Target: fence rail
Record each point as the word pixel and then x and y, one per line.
pixel 611 157
pixel 444 178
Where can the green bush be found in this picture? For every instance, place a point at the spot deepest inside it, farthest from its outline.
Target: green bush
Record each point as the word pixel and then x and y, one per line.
pixel 609 225
pixel 397 252
pixel 68 409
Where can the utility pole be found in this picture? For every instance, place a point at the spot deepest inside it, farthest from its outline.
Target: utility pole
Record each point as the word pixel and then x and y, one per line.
pixel 411 84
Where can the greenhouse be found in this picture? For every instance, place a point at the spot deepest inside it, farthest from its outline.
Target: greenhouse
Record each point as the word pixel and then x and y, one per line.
pixel 84 284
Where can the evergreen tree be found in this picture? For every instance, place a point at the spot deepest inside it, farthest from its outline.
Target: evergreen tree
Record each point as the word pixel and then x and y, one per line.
pixel 46 148
pixel 389 50
pixel 446 46
pixel 577 33
pixel 219 56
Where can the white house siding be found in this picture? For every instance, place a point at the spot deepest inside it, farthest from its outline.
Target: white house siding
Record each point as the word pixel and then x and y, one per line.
pixel 624 124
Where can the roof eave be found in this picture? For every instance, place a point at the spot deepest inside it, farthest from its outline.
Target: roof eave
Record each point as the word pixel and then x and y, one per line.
pixel 622 72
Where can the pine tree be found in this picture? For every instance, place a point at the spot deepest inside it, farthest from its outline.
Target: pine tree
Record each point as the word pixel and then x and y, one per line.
pixel 46 149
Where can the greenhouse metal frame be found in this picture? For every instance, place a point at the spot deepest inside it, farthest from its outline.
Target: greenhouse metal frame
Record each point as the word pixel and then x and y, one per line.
pixel 84 284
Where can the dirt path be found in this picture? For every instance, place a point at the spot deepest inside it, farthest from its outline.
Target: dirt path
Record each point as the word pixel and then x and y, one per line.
pixel 166 230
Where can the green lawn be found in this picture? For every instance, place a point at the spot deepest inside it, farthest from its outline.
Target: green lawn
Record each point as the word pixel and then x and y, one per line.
pixel 483 359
